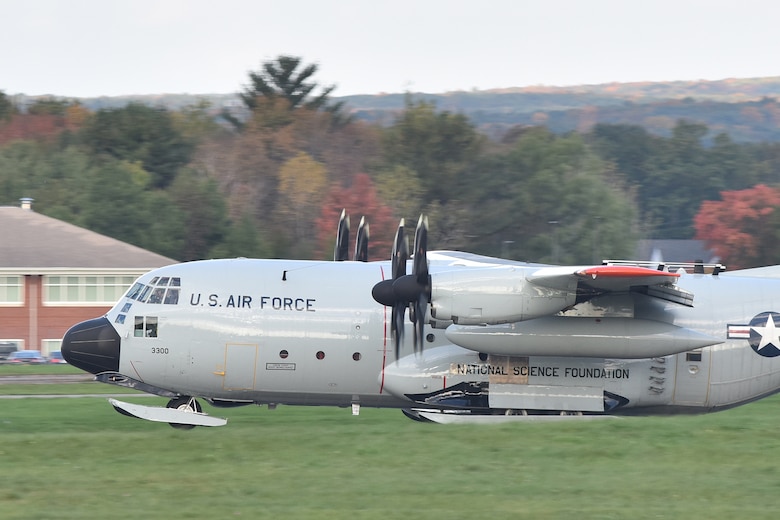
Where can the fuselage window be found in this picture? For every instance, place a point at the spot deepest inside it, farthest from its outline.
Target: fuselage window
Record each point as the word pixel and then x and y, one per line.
pixel 175 281
pixel 163 281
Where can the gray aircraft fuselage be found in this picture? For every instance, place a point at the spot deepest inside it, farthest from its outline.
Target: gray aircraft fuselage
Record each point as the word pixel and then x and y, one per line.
pixel 310 333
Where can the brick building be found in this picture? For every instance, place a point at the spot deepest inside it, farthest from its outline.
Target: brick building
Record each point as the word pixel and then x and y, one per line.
pixel 54 274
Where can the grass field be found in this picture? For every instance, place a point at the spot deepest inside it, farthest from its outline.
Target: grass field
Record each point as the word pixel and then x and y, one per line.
pixel 75 458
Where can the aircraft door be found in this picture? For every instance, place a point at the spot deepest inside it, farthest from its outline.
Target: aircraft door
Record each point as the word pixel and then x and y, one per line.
pixel 240 366
pixel 692 378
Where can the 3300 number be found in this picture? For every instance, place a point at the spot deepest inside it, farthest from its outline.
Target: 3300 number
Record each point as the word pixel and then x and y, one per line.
pixel 159 350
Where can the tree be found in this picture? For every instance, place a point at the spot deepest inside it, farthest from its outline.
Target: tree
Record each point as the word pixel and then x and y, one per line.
pixel 138 133
pixel 672 176
pixel 302 182
pixel 743 228
pixel 242 239
pixel 549 199
pixel 51 106
pixel 288 80
pixel 7 108
pixel 360 200
pixel 204 213
pixel 439 147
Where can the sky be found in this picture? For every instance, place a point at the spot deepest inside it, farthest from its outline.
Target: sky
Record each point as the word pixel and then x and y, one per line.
pixel 87 48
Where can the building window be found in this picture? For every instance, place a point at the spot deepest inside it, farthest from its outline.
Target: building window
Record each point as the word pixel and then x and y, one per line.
pixel 50 345
pixel 99 290
pixel 11 290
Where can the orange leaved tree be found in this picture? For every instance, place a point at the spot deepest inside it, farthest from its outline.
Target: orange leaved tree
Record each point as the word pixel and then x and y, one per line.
pixel 744 227
pixel 360 199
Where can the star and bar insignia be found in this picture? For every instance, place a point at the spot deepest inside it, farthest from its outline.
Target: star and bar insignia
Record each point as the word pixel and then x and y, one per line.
pixel 763 333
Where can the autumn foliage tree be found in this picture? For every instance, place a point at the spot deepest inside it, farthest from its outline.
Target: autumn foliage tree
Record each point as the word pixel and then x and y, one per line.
pixel 360 200
pixel 743 228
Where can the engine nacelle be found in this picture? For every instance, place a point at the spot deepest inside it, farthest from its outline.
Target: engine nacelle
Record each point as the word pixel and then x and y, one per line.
pixel 494 295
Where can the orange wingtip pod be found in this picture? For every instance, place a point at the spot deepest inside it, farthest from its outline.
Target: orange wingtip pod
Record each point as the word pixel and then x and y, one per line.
pixel 624 271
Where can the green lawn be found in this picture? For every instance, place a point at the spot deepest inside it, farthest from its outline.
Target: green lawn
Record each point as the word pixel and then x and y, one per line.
pixel 64 368
pixel 77 458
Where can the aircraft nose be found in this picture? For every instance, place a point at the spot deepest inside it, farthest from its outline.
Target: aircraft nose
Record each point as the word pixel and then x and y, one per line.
pixel 92 345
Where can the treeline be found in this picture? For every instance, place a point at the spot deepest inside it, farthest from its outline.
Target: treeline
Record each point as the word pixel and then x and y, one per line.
pixel 271 184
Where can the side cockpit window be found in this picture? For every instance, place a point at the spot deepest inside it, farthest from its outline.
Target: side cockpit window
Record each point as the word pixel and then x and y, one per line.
pixel 135 290
pixel 161 290
pixel 145 327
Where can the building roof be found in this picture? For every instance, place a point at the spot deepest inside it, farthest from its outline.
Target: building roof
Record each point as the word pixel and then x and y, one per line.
pixel 29 240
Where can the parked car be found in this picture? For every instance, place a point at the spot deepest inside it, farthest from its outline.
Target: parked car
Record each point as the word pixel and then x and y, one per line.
pixel 6 347
pixel 56 357
pixel 31 357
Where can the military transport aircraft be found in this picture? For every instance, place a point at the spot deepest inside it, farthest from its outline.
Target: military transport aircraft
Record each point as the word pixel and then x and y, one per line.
pixel 492 339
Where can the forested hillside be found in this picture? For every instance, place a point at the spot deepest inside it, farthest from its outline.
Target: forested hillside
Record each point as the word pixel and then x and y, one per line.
pixel 746 109
pixel 269 175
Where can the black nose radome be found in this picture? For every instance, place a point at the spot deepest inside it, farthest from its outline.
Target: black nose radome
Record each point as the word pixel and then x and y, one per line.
pixel 93 346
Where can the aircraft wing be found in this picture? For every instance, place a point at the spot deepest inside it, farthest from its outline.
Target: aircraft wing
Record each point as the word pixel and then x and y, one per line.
pixel 477 294
pixel 602 277
pixel 615 278
pixel 542 330
pixel 612 278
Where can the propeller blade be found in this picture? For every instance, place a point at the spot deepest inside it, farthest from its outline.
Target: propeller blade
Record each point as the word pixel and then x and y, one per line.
pixel 383 292
pixel 341 252
pixel 419 314
pixel 361 242
pixel 400 252
pixel 418 293
pixel 397 328
pixel 420 266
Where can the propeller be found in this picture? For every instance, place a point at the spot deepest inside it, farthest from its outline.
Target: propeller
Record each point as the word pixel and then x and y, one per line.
pixel 413 290
pixel 341 252
pixel 383 292
pixel 416 287
pixel 361 242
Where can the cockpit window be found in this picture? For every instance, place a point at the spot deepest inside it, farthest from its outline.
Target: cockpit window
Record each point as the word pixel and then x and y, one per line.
pixel 135 290
pixel 144 293
pixel 145 327
pixel 163 290
pixel 172 297
pixel 157 295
